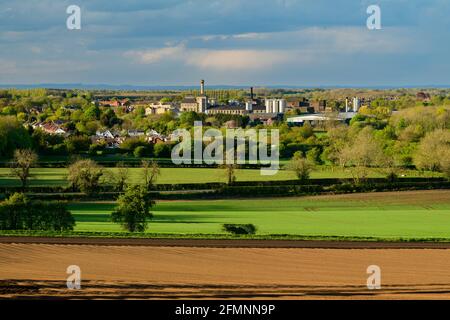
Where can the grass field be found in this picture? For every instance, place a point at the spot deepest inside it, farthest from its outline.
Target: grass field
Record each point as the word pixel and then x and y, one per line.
pixel 382 215
pixel 57 176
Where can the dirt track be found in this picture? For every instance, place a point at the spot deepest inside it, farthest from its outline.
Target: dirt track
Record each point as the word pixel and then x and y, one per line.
pixel 211 243
pixel 39 271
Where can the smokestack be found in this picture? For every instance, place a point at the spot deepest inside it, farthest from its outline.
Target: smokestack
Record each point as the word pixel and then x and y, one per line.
pixel 202 87
pixel 346 104
pixel 251 94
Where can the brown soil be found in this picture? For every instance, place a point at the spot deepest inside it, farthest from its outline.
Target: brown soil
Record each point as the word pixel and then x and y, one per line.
pixel 39 271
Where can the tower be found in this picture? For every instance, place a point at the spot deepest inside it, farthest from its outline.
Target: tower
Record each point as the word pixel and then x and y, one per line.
pixel 202 87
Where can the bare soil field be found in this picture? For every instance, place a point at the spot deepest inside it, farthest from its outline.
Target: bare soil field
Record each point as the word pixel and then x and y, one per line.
pixel 134 272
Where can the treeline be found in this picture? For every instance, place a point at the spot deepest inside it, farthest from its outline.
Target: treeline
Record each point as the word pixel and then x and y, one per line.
pixel 19 213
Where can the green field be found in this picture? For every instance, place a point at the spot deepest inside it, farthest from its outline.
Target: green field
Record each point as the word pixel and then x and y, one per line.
pixel 387 216
pixel 57 176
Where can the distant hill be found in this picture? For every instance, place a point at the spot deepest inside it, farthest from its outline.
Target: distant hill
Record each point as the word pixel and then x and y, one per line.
pixel 193 87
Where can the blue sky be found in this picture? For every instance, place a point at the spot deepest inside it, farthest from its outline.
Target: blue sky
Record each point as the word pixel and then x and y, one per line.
pixel 229 42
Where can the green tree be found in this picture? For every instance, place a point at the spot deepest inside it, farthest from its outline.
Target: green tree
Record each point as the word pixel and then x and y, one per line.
pixel 162 150
pixel 301 166
pixel 77 144
pixel 133 209
pixel 314 156
pixel 361 153
pixel 433 152
pixel 13 136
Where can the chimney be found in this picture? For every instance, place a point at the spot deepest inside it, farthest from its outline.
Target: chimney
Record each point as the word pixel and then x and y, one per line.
pixel 202 87
pixel 251 94
pixel 346 104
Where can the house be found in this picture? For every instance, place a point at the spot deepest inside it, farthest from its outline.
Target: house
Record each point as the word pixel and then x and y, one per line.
pixel 157 109
pixel 231 124
pixel 36 110
pixel 319 106
pixel 264 118
pixel 136 133
pixel 423 96
pixel 54 128
pixel 237 110
pixel 154 137
pixel 115 103
pixel 105 134
pixel 112 140
pixel 189 104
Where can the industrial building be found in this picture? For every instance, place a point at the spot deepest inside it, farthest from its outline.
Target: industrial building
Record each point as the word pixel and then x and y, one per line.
pixel 202 104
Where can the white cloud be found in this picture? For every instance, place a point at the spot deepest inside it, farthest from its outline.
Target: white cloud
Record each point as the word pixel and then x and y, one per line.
pixel 156 55
pixel 236 59
pixel 350 40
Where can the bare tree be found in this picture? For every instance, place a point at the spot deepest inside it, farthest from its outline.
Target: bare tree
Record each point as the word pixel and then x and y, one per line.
pixel 120 178
pixel 230 172
pixel 85 175
pixel 151 173
pixel 24 159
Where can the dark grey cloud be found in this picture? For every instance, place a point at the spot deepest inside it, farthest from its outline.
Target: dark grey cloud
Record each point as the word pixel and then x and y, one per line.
pixel 177 41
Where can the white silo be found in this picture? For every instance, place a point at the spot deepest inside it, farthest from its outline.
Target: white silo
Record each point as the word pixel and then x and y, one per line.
pixel 355 104
pixel 282 105
pixel 249 106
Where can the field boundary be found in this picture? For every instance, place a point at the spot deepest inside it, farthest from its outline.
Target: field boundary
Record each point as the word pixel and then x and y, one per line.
pixel 226 243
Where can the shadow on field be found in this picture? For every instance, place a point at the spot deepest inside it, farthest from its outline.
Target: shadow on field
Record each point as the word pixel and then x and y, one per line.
pixel 51 289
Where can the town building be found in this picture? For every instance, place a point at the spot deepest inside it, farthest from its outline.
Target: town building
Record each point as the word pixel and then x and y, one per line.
pixel 157 108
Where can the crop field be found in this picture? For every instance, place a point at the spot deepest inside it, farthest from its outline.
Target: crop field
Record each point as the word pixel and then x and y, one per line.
pixel 408 215
pixel 36 271
pixel 57 176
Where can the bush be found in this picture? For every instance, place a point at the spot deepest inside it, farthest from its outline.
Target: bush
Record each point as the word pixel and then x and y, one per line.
pixel 77 144
pixel 18 213
pixel 301 166
pixel 162 150
pixel 239 229
pixel 140 152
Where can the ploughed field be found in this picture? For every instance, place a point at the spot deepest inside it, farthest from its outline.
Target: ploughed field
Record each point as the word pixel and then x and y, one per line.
pixel 390 215
pixel 57 176
pixel 39 271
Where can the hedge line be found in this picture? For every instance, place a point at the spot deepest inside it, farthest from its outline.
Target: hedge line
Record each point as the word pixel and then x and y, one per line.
pixel 130 163
pixel 35 215
pixel 255 191
pixel 218 185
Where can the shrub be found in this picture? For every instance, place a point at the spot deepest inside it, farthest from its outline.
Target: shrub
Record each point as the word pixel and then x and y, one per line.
pixel 140 152
pixel 239 229
pixel 162 150
pixel 18 213
pixel 301 166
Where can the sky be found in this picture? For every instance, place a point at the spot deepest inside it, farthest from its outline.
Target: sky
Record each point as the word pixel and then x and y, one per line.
pixel 226 42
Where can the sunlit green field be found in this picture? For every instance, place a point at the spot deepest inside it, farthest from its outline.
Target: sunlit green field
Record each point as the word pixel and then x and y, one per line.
pixel 392 215
pixel 57 176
